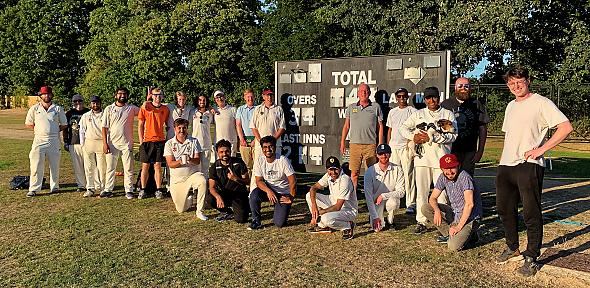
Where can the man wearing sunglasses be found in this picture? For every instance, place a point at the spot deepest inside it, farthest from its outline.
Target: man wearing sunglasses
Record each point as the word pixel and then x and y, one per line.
pixel 435 146
pixel 72 140
pixel 400 153
pixel 472 119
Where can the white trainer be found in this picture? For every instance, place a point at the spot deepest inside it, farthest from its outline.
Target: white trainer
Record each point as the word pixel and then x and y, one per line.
pixel 202 216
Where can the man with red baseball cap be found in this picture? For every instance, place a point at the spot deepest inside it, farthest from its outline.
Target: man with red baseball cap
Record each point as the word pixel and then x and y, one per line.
pixel 456 221
pixel 47 120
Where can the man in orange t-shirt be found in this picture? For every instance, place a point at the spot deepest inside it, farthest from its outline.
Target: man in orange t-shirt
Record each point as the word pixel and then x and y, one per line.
pixel 152 117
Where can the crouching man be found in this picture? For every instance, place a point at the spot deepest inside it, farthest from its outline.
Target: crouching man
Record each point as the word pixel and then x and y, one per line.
pixel 228 178
pixel 183 157
pixel 457 222
pixel 384 187
pixel 337 210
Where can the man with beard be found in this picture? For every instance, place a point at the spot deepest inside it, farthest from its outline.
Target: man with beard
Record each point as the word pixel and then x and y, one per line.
pixel 183 157
pixel 456 221
pixel 268 120
pixel 91 141
pixel 227 185
pixel 275 182
pixel 435 146
pixel 243 117
pixel 47 120
pixel 152 117
pixel 472 120
pixel 202 118
pixel 72 140
pixel 225 120
pixel 117 140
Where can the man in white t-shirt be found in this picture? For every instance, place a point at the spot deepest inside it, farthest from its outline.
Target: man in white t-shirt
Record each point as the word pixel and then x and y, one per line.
pixel 520 173
pixel 400 152
pixel 275 182
pixel 225 121
pixel 180 109
pixel 384 188
pixel 182 155
pixel 117 140
pixel 95 164
pixel 202 118
pixel 47 120
pixel 336 210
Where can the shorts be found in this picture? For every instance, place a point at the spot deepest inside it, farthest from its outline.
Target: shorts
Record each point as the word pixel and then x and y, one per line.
pixel 360 152
pixel 151 152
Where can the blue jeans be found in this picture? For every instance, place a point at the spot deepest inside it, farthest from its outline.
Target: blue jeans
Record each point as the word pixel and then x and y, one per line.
pixel 281 212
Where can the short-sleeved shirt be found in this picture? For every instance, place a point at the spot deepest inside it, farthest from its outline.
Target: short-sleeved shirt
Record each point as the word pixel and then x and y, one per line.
pixel 395 118
pixel 201 122
pixel 119 121
pixel 525 124
pixel 268 120
pixel 46 122
pixel 175 113
pixel 155 118
pixel 189 147
pixel 470 115
pixel 91 123
pixel 341 188
pixel 244 114
pixel 72 135
pixel 363 122
pixel 218 172
pixel 275 174
pixel 456 193
pixel 225 124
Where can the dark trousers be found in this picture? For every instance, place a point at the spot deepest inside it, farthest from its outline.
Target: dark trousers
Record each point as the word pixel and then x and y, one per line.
pixel 465 158
pixel 281 212
pixel 522 182
pixel 238 200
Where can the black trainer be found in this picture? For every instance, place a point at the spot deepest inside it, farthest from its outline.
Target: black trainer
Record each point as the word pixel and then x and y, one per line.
pixel 442 239
pixel 508 255
pixel 420 229
pixel 255 225
pixel 348 234
pixel 529 267
pixel 224 216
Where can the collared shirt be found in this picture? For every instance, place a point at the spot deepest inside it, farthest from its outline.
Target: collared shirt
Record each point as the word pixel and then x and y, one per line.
pixel 225 124
pixel 341 188
pixel 456 193
pixel 268 120
pixel 244 114
pixel 363 122
pixel 218 173
pixel 389 184
pixel 175 113
pixel 395 118
pixel 275 174
pixel 46 122
pixel 202 127
pixel 189 147
pixel 91 126
pixel 119 121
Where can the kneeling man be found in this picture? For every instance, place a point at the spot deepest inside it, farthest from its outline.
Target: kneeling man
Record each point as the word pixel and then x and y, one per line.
pixel 338 209
pixel 183 157
pixel 228 178
pixel 275 182
pixel 464 209
pixel 384 188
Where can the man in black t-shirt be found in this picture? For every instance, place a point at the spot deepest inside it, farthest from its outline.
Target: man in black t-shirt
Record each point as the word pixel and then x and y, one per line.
pixel 228 178
pixel 472 119
pixel 72 140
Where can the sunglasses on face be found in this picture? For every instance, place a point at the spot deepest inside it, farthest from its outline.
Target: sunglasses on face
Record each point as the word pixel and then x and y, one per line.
pixel 466 86
pixel 77 101
pixel 401 96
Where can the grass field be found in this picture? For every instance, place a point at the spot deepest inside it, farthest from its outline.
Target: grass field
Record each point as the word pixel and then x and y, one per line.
pixel 65 240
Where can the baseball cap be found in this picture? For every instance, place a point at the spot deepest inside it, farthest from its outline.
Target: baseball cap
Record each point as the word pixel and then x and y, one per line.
pixel 95 98
pixel 77 97
pixel 449 161
pixel 267 91
pixel 218 92
pixel 431 92
pixel 45 90
pixel 402 89
pixel 383 148
pixel 332 162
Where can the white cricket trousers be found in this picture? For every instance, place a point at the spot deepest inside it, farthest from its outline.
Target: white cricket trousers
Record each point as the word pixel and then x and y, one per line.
pixel 425 176
pixel 41 148
pixel 205 162
pixel 95 165
pixel 179 192
pixel 337 220
pixel 77 155
pixel 112 159
pixel 390 205
pixel 401 157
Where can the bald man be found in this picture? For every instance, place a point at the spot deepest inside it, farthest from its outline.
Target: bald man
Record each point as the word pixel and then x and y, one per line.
pixel 363 124
pixel 472 119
